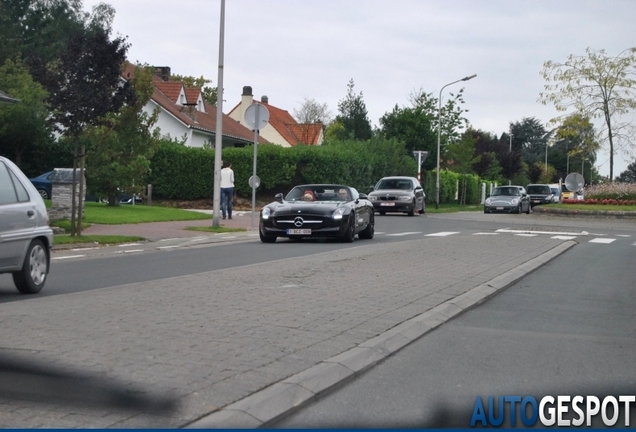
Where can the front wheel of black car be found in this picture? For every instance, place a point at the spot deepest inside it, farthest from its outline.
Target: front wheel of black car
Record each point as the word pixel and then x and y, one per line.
pixel 369 231
pixel 266 238
pixel 350 233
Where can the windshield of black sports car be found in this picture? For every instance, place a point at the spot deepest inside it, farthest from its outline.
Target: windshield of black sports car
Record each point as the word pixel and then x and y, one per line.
pixel 320 193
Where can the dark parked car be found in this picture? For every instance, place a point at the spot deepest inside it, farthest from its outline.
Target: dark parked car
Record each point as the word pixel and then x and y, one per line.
pixel 507 199
pixel 398 194
pixel 539 194
pixel 318 210
pixel 25 235
pixel 44 186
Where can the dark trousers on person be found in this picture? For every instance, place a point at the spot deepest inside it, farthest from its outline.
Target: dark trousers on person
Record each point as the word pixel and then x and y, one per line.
pixel 226 201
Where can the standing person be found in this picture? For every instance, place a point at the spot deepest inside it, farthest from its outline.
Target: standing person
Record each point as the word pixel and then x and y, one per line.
pixel 227 190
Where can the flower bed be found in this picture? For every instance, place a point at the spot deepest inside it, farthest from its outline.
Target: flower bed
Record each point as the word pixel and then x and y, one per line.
pixel 605 201
pixel 611 191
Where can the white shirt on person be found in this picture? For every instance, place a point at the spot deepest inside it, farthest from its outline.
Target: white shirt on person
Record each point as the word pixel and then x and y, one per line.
pixel 227 178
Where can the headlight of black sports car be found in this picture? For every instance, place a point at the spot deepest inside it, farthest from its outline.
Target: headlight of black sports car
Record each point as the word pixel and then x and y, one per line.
pixel 266 212
pixel 338 213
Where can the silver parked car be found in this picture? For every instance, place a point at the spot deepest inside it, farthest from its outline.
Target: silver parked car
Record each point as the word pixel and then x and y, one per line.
pixel 25 236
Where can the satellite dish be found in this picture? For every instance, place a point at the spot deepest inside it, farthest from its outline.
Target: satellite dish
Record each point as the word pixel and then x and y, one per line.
pixel 574 182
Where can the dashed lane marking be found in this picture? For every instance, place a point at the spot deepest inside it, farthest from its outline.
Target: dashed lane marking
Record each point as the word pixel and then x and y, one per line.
pixel 128 244
pixel 442 234
pixel 602 240
pixel 511 231
pixel 527 235
pixel 68 257
pixel 486 233
pixel 405 233
pixel 563 237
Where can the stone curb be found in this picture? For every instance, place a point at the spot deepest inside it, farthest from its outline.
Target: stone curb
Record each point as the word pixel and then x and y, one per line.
pixel 271 404
pixel 542 210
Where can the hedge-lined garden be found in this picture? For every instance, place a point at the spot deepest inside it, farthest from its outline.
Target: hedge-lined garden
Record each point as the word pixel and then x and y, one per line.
pixel 186 173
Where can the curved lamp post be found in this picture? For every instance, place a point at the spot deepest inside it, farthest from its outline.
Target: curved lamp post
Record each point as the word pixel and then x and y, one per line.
pixel 439 123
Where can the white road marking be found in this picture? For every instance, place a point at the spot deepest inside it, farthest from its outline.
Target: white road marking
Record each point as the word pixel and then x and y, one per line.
pixel 623 235
pixel 83 249
pixel 582 233
pixel 485 233
pixel 602 240
pixel 129 251
pixel 229 237
pixel 405 233
pixel 527 235
pixel 128 244
pixel 442 234
pixel 68 257
pixel 562 237
pixel 168 247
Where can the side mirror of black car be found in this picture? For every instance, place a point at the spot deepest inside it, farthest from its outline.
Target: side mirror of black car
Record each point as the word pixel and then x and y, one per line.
pixel 363 196
pixel 278 197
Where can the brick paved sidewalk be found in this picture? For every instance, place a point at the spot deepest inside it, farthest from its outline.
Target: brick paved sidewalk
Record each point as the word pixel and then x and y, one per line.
pixel 238 347
pixel 155 231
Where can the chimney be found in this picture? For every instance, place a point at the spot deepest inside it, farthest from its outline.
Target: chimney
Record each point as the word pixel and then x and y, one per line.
pixel 162 72
pixel 246 97
pixel 264 99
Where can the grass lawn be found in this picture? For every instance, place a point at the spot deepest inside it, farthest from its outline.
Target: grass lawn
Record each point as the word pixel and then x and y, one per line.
pixel 453 208
pixel 98 213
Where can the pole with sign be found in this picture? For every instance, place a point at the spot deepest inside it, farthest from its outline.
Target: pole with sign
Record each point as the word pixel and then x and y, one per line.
pixel 420 155
pixel 257 117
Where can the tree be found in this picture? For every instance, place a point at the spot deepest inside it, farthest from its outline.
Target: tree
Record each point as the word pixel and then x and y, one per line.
pixel 353 115
pixel 629 175
pixel 122 145
pixel 313 112
pixel 413 126
pixel 84 86
pixel 530 138
pixel 22 125
pixel 595 85
pixel 461 155
pixel 575 140
pixel 38 30
pixel 208 93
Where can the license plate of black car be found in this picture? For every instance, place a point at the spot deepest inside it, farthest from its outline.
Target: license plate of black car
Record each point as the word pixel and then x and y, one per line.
pixel 499 208
pixel 294 231
pixel 536 201
pixel 388 204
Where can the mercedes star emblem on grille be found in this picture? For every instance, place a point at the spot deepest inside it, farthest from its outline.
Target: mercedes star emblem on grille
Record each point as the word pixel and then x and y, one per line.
pixel 298 221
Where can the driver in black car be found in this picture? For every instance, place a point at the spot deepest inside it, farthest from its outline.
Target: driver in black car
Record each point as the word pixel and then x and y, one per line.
pixel 343 195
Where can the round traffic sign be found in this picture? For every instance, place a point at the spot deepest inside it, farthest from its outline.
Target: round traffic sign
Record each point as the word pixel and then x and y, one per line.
pixel 254 181
pixel 256 116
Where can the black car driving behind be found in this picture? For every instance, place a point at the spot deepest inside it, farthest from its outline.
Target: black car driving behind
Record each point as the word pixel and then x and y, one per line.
pixel 318 210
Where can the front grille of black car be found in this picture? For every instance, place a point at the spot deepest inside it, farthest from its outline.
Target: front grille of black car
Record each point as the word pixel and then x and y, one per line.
pixel 313 222
pixel 387 198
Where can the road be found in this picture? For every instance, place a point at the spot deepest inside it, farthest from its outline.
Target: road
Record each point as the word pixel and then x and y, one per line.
pixel 567 329
pixel 140 262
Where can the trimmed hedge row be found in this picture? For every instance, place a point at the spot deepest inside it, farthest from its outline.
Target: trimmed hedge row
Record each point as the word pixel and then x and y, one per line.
pixel 186 173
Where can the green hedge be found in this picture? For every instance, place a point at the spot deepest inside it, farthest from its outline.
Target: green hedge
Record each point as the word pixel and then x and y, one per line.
pixel 185 173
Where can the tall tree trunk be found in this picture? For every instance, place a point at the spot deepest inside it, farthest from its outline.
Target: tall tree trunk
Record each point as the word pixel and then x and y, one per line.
pixel 80 206
pixel 73 190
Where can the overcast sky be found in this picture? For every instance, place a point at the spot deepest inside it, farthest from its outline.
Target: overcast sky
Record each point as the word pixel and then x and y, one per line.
pixel 290 50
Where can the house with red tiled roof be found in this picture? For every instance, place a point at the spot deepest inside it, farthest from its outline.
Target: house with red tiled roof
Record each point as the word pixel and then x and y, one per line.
pixel 282 128
pixel 183 114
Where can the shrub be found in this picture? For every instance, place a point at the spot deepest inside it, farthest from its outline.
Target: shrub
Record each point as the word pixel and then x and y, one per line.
pixel 616 191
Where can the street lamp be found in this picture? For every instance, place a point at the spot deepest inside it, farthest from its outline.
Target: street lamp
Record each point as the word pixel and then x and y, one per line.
pixel 510 156
pixel 439 123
